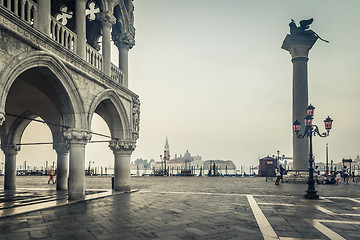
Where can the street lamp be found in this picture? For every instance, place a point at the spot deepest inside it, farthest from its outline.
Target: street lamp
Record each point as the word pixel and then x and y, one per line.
pixel 311 130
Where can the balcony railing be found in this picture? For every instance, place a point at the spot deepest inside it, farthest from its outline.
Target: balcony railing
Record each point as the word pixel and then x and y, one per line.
pixel 25 9
pixel 94 57
pixel 61 34
pixel 116 74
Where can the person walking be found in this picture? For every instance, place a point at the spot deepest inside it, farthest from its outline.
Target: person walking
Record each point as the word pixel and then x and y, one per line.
pixel 51 176
pixel 278 176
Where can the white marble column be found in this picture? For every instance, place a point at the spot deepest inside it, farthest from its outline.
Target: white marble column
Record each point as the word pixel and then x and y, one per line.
pixel 107 20
pixel 299 47
pixel 77 139
pixel 124 43
pixel 80 27
pixel 62 151
pixel 43 18
pixel 10 152
pixel 122 150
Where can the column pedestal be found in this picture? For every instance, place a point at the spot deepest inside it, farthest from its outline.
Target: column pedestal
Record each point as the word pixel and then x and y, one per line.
pixel 299 47
pixel 10 152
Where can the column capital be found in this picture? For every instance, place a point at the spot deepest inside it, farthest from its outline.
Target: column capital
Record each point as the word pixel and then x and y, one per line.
pixel 11 149
pixel 124 40
pixel 73 135
pixel 122 145
pixel 106 18
pixel 2 118
pixel 61 148
pixel 298 45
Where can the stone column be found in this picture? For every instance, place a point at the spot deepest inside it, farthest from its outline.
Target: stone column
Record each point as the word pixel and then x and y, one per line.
pixel 107 20
pixel 10 152
pixel 299 47
pixel 62 151
pixel 122 150
pixel 80 27
pixel 43 18
pixel 77 139
pixel 124 43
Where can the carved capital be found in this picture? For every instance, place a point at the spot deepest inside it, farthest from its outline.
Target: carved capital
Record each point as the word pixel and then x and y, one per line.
pixel 122 145
pixel 298 46
pixel 124 40
pixel 77 135
pixel 2 118
pixel 106 18
pixel 11 149
pixel 61 148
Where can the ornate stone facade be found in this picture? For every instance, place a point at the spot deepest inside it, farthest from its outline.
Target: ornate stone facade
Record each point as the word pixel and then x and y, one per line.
pixel 50 67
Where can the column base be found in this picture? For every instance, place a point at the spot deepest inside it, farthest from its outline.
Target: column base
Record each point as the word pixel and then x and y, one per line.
pixel 76 196
pixel 125 188
pixel 311 195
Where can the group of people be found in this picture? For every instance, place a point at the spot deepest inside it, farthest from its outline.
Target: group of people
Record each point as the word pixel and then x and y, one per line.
pixel 341 176
pixel 335 177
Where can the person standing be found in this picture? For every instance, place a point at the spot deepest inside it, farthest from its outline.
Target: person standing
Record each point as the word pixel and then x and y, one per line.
pixel 346 175
pixel 282 170
pixel 278 176
pixel 316 173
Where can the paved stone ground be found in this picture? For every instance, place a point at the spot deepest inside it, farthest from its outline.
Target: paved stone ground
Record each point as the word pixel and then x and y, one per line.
pixel 197 208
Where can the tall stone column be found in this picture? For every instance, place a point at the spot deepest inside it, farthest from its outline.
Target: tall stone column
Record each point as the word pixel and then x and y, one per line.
pixel 77 139
pixel 299 46
pixel 107 20
pixel 62 151
pixel 43 18
pixel 124 42
pixel 80 27
pixel 122 150
pixel 10 152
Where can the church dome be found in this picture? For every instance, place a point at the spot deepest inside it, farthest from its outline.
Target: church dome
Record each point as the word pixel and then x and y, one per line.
pixel 187 154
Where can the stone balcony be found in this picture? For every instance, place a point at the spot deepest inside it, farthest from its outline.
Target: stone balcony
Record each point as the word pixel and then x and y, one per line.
pixel 20 20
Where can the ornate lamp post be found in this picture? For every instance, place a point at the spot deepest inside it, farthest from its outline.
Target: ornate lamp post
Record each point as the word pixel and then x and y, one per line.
pixel 310 131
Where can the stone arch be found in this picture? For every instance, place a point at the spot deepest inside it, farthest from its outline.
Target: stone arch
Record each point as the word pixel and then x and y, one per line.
pixel 110 107
pixel 72 113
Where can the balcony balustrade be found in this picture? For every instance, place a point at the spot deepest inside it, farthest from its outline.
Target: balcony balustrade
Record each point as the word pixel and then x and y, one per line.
pixel 27 11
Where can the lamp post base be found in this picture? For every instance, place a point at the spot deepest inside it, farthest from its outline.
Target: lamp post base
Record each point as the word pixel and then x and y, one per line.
pixel 311 195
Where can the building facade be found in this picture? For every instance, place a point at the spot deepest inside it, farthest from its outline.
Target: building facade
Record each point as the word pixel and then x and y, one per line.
pixel 55 63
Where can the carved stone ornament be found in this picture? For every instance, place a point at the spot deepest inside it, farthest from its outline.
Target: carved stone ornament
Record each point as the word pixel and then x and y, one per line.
pixel 125 145
pixel 11 149
pixel 77 134
pixel 61 147
pixel 124 39
pixel 106 18
pixel 2 118
pixel 136 118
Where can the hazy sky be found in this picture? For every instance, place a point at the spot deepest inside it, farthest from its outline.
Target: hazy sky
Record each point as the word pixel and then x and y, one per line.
pixel 211 75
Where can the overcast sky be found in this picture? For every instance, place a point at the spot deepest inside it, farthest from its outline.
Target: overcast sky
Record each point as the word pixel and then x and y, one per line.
pixel 212 77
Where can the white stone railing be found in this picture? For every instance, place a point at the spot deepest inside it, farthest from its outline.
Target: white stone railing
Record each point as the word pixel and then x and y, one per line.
pixel 94 57
pixel 116 74
pixel 62 35
pixel 25 9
